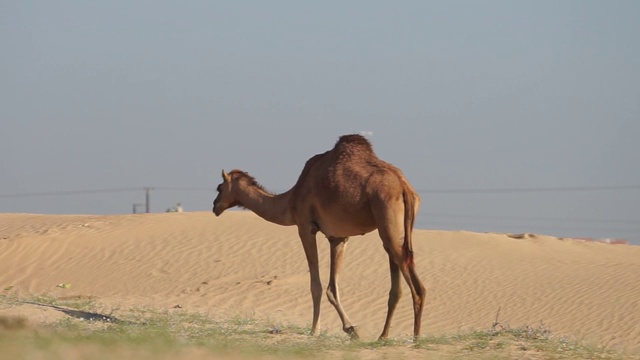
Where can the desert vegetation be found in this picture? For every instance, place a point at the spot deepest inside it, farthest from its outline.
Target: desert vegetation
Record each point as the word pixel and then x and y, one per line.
pixel 90 330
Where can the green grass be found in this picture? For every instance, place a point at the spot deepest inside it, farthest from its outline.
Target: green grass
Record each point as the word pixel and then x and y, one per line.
pixel 145 333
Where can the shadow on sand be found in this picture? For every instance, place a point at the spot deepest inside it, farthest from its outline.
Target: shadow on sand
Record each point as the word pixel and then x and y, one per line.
pixel 83 315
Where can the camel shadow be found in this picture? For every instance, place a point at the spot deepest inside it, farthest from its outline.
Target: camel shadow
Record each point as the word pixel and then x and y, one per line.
pixel 83 315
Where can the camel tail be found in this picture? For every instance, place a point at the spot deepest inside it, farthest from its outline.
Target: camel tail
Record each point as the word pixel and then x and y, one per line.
pixel 409 217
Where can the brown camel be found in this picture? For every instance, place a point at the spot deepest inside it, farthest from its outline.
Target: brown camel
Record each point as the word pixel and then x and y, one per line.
pixel 343 192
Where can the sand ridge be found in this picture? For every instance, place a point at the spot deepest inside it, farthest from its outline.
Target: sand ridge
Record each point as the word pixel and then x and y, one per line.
pixel 241 264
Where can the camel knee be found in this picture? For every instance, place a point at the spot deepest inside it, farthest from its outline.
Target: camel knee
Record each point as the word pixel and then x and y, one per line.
pixel 421 293
pixel 316 290
pixel 316 293
pixel 394 297
pixel 420 290
pixel 332 295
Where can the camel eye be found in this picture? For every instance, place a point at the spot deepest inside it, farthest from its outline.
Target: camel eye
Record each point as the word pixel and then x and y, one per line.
pixel 219 187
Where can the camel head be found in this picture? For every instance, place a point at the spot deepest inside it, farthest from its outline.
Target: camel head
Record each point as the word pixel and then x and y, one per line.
pixel 225 198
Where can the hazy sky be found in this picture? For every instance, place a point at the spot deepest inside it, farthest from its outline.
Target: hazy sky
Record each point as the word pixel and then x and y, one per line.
pixel 458 94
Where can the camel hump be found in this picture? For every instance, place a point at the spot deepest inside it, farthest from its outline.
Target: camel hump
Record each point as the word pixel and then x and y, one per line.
pixel 353 140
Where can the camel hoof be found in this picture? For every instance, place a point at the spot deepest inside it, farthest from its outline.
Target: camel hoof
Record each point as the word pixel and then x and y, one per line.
pixel 352 332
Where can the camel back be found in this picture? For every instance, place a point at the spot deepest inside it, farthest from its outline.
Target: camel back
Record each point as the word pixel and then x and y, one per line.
pixel 352 157
pixel 352 154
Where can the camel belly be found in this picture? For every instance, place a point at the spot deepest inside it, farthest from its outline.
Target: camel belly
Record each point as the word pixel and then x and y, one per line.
pixel 345 225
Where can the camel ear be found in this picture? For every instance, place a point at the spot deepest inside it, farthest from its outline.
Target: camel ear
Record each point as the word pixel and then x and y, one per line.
pixel 225 176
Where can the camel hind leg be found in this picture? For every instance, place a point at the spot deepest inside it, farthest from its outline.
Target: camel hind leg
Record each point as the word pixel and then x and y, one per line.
pixel 398 265
pixel 389 216
pixel 418 293
pixel 394 295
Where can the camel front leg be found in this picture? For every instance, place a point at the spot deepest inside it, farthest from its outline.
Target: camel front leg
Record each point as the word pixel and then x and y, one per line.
pixel 338 246
pixel 311 251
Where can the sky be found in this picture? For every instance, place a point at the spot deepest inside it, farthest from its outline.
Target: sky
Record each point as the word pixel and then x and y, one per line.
pixel 109 97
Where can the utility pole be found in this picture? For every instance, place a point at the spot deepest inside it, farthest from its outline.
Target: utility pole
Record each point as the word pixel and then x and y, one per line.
pixel 147 202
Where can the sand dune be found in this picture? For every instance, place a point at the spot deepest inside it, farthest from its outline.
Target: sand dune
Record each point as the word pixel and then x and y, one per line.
pixel 240 264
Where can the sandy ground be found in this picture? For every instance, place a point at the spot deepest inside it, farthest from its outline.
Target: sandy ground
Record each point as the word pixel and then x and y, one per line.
pixel 239 264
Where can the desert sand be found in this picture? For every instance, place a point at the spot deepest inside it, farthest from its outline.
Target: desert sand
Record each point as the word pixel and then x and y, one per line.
pixel 239 264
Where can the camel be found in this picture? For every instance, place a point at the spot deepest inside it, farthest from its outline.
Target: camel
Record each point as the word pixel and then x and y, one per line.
pixel 343 192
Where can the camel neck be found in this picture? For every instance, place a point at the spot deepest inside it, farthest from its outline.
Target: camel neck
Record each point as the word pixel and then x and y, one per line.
pixel 274 208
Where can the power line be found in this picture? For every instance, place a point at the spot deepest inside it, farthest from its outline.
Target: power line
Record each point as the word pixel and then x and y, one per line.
pixel 70 192
pixel 421 191
pixel 474 191
pixel 525 227
pixel 175 188
pixel 461 217
pixel 532 222
pixel 529 189
pixel 428 218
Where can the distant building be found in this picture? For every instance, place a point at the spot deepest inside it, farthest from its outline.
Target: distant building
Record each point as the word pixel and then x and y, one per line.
pixel 177 208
